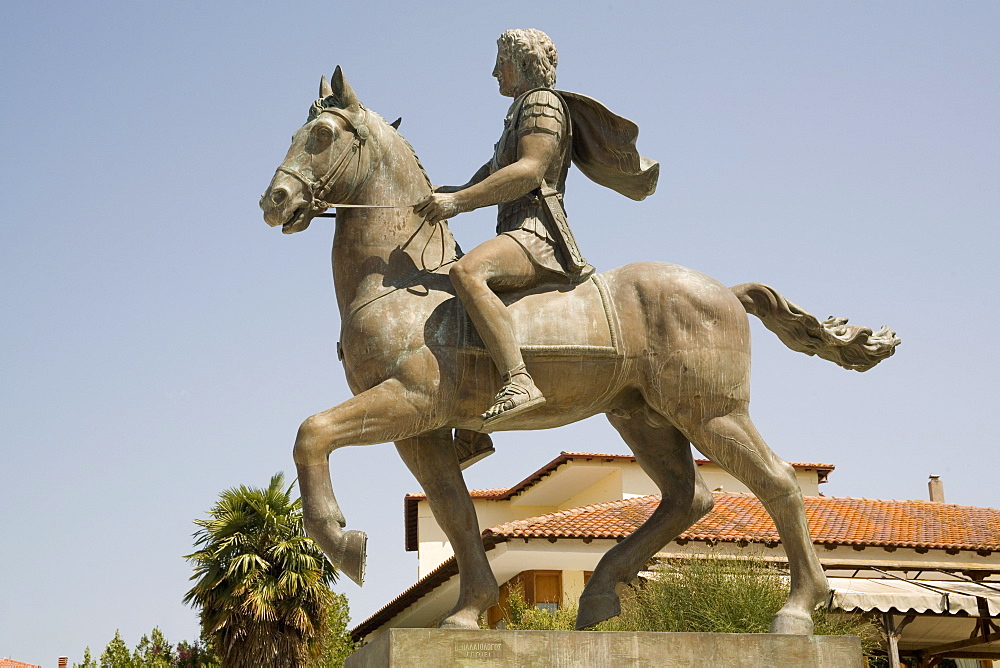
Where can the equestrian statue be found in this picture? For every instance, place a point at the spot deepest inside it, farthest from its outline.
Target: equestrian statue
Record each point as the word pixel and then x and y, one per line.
pixel 441 348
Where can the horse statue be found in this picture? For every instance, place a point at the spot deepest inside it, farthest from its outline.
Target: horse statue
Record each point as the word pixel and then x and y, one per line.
pixel 662 350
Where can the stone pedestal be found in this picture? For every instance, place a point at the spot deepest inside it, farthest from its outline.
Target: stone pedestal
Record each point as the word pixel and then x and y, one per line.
pixel 435 648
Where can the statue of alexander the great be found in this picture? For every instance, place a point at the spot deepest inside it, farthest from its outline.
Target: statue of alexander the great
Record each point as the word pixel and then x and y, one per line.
pixel 669 363
pixel 544 131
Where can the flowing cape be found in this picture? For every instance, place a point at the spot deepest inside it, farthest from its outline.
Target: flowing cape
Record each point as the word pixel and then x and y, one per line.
pixel 604 148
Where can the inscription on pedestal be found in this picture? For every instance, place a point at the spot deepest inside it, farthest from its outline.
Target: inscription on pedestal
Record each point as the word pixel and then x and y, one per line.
pixel 477 650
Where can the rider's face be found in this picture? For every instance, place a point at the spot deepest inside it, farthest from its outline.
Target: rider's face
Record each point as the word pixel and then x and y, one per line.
pixel 508 76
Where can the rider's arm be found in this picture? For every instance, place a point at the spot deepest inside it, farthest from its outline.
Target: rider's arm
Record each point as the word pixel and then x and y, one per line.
pixel 541 127
pixel 535 152
pixel 480 174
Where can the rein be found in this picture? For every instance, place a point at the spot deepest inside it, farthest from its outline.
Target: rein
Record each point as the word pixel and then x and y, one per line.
pixel 424 271
pixel 359 146
pixel 357 206
pixel 317 190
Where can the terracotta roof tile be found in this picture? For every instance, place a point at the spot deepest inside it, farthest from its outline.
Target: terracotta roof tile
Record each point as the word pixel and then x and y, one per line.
pixel 741 517
pixel 411 500
pixel 11 663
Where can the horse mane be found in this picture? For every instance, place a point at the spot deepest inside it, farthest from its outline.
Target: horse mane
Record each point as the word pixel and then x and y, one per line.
pixel 407 144
pixel 333 101
pixel 442 229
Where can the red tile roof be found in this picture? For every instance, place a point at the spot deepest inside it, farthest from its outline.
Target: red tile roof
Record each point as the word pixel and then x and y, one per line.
pixel 503 493
pixel 11 663
pixel 741 517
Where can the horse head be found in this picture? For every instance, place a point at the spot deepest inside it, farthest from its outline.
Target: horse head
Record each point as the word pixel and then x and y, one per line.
pixel 331 158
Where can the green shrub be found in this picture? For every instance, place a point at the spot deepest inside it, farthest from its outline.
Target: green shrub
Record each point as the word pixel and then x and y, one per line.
pixel 523 617
pixel 712 594
pixel 715 594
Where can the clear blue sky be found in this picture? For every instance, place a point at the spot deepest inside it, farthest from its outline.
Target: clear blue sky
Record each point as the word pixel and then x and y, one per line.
pixel 161 343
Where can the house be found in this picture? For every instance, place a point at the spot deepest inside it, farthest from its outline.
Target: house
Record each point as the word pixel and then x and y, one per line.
pixel 930 571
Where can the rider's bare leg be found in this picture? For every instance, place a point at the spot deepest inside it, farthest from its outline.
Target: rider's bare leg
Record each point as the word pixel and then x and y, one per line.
pixel 431 458
pixel 499 265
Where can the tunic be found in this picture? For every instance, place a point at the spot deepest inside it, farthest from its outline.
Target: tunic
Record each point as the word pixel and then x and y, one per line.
pixel 522 219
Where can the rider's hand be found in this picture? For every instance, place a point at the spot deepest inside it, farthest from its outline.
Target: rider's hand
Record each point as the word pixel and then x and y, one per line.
pixel 437 207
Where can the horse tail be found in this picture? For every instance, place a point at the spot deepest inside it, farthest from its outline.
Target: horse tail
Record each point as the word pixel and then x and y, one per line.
pixel 849 346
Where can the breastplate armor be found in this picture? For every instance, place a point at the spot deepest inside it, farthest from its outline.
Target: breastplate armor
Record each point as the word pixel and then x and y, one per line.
pixel 540 110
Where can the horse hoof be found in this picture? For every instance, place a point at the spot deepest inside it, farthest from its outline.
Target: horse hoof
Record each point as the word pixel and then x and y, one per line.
pixel 792 623
pixel 460 621
pixel 595 608
pixel 355 552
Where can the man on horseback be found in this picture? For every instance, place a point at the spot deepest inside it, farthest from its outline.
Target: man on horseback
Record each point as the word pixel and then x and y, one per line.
pixel 527 179
pixel 676 372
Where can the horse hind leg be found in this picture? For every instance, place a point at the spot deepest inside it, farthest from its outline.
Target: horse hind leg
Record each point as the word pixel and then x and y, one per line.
pixel 379 415
pixel 664 453
pixel 432 460
pixel 731 440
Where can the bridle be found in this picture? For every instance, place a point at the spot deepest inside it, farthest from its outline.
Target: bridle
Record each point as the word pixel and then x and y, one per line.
pixel 316 189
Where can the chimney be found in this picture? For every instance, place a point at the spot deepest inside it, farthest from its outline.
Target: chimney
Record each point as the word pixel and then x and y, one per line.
pixel 63 662
pixel 936 489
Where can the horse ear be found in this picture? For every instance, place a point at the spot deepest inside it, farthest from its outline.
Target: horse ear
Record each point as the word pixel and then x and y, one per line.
pixel 324 88
pixel 343 91
pixel 395 123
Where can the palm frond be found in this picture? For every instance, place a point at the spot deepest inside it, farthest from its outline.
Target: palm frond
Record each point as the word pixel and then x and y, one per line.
pixel 261 584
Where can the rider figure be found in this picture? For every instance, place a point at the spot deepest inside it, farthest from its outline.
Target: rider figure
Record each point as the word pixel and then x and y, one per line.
pixel 534 151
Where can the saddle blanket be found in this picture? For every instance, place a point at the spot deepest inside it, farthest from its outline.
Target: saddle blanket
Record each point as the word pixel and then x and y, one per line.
pixel 566 321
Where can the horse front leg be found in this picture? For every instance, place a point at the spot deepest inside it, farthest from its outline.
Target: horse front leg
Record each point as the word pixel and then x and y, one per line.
pixel 432 460
pixel 382 414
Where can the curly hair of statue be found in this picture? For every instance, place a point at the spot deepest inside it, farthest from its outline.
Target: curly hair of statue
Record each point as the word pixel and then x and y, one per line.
pixel 533 53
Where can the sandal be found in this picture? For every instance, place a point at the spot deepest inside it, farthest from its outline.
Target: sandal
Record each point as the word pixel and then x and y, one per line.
pixel 513 399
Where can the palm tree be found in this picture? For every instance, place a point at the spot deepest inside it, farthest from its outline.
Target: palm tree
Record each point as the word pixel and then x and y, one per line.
pixel 261 584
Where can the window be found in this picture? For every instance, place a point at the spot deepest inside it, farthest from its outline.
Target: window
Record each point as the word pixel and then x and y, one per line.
pixel 542 589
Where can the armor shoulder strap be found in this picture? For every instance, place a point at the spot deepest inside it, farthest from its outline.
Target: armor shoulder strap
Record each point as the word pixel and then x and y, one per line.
pixel 542 110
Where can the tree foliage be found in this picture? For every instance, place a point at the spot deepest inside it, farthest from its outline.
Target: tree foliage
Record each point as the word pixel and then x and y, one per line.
pixel 337 643
pixel 87 661
pixel 262 586
pixel 116 654
pixel 198 654
pixel 153 651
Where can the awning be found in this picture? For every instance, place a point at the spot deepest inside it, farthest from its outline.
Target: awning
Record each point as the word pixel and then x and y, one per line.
pixel 935 596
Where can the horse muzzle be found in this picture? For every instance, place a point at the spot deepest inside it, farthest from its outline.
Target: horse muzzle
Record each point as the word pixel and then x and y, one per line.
pixel 293 214
pixel 298 221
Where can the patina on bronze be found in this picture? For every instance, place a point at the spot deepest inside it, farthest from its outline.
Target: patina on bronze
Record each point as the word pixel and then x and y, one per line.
pixel 662 350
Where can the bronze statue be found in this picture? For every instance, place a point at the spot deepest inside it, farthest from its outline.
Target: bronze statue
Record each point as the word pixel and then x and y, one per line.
pixel 527 179
pixel 662 350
